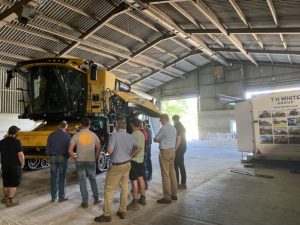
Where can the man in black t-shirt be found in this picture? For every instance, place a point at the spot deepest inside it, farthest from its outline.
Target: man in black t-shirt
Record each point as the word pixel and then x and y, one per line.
pixel 12 161
pixel 180 150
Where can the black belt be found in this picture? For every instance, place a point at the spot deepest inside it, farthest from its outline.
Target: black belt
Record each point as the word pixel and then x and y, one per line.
pixel 116 164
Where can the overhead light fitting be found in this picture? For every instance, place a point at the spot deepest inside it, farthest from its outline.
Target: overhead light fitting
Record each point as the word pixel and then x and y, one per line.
pixel 27 13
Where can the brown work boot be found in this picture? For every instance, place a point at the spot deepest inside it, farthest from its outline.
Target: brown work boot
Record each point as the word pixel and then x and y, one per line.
pixel 182 187
pixel 97 200
pixel 11 203
pixel 133 205
pixel 62 200
pixel 142 200
pixel 121 214
pixel 84 205
pixel 163 201
pixel 102 218
pixel 3 200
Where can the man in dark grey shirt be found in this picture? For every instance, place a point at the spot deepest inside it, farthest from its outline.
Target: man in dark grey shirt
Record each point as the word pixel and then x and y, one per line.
pixel 57 148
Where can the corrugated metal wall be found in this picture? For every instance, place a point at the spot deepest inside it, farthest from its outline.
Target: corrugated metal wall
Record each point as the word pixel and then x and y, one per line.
pixel 207 82
pixel 10 97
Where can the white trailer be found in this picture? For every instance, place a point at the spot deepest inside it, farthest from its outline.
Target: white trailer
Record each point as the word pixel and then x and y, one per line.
pixel 268 126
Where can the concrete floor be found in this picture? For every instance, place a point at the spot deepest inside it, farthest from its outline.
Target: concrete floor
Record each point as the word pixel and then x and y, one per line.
pixel 215 196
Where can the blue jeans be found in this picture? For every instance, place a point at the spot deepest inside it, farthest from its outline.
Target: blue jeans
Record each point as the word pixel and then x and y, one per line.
pixel 59 165
pixel 86 169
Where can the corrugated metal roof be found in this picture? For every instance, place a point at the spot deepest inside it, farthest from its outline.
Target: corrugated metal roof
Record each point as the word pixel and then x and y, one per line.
pixel 134 35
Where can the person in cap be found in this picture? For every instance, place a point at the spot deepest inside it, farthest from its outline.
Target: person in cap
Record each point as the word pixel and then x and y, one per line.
pixel 12 161
pixel 57 148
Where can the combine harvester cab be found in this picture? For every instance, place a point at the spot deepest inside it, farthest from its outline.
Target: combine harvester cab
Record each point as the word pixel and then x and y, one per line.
pixel 70 89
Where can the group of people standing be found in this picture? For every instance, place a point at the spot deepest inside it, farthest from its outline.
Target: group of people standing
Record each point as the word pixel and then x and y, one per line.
pixel 130 158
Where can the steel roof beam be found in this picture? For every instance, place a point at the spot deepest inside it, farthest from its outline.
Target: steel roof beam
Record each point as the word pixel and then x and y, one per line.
pixel 195 22
pixel 245 21
pixel 265 30
pixel 166 66
pixel 270 58
pixel 275 18
pixel 165 51
pixel 203 8
pixel 114 13
pixel 22 44
pixel 139 19
pixel 73 8
pixel 140 51
pixel 165 21
pixel 279 52
pixel 290 60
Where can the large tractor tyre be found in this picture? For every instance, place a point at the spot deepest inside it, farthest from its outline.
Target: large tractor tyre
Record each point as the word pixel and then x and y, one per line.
pixel 101 163
pixel 32 164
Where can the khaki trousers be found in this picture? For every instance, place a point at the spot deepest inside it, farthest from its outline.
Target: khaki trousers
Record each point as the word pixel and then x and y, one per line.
pixel 169 182
pixel 116 175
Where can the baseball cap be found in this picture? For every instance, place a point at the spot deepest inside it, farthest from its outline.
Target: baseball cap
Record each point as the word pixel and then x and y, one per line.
pixel 13 130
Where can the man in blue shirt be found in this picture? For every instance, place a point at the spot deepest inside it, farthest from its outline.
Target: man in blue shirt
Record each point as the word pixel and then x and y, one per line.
pixel 57 148
pixel 166 137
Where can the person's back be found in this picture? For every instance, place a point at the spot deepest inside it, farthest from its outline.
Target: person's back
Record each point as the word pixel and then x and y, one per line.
pixel 85 141
pixel 9 148
pixel 122 145
pixel 57 149
pixel 12 161
pixel 88 148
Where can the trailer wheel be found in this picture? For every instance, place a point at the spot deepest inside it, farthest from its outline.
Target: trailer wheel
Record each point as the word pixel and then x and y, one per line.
pixel 33 164
pixel 101 163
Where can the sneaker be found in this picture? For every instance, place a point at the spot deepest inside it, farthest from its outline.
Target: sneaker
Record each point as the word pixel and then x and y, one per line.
pixel 102 218
pixel 174 197
pixel 97 200
pixel 121 214
pixel 11 203
pixel 142 200
pixel 163 201
pixel 84 205
pixel 3 200
pixel 133 205
pixel 63 199
pixel 52 200
pixel 182 187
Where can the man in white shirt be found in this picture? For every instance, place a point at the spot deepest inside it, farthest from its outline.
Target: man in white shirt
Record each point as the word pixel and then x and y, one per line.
pixel 166 137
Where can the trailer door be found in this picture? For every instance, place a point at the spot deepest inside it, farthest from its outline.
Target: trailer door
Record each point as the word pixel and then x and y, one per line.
pixel 243 114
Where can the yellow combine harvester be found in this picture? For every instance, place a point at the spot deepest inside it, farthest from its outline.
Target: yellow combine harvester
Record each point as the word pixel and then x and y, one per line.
pixel 69 89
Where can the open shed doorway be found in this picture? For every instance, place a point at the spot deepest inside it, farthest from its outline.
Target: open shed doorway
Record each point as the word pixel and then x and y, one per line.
pixel 186 108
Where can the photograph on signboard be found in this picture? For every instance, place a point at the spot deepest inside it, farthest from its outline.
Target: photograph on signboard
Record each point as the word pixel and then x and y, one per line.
pixel 294 121
pixel 266 139
pixel 293 112
pixel 280 130
pixel 294 130
pixel 278 113
pixel 279 122
pixel 265 122
pixel 265 114
pixel 294 139
pixel 265 131
pixel 281 140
